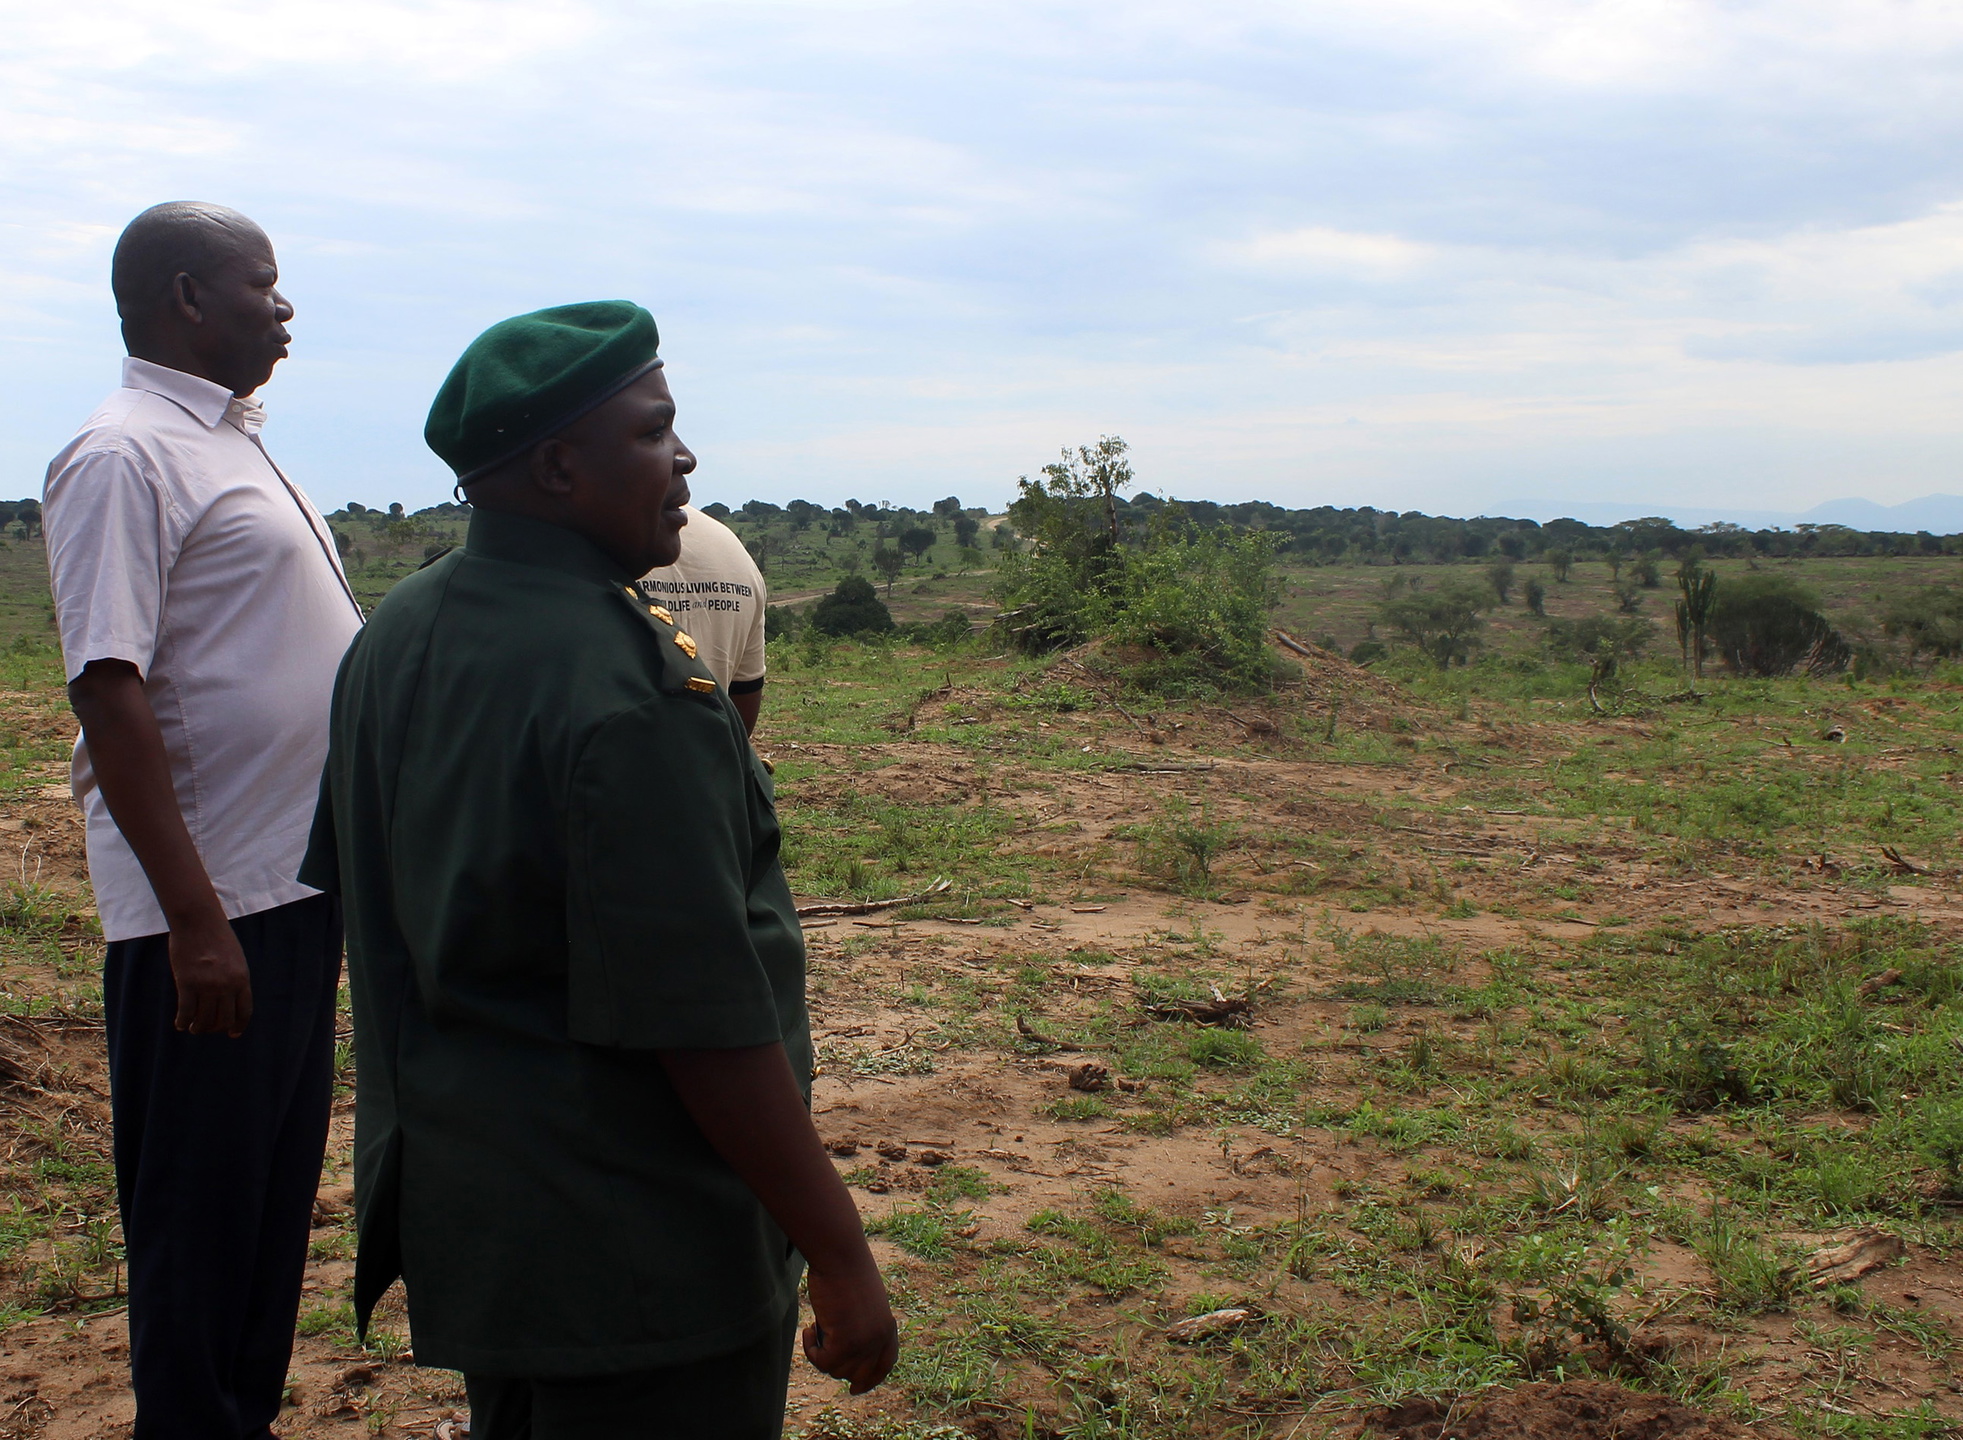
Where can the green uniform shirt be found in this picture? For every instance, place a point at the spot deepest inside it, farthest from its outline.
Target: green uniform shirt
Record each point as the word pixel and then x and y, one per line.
pixel 557 854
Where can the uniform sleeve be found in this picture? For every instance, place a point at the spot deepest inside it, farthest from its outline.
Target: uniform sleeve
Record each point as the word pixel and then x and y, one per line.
pixel 747 671
pixel 112 538
pixel 660 850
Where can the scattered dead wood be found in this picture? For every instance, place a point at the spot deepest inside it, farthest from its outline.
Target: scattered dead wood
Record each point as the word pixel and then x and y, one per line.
pixel 1903 866
pixel 1160 767
pixel 1031 1033
pixel 1230 1012
pixel 1289 642
pixel 1882 981
pixel 868 907
pixel 1259 725
pixel 1866 1249
pixel 1214 1322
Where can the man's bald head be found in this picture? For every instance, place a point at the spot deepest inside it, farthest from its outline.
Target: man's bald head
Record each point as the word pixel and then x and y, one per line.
pixel 195 285
pixel 179 237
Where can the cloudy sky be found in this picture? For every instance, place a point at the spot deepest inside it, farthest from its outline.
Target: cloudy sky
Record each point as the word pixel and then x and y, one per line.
pixel 1439 254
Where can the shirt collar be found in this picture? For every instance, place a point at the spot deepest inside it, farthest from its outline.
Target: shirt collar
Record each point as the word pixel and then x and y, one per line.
pixel 495 535
pixel 208 402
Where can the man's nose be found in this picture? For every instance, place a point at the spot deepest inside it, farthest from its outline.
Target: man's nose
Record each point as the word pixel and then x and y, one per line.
pixel 282 307
pixel 684 460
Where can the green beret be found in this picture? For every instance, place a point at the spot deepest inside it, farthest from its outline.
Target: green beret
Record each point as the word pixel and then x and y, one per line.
pixel 527 378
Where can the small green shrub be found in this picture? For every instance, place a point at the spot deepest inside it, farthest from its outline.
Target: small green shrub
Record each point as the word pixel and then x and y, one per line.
pixel 854 608
pixel 1770 625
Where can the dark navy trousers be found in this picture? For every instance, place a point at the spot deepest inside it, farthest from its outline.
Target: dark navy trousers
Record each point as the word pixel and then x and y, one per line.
pixel 218 1152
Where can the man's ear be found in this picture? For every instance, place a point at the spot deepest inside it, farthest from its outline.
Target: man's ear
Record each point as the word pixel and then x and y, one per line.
pixel 552 468
pixel 184 297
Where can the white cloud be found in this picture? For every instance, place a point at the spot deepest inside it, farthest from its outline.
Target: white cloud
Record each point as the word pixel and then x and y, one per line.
pixel 1321 246
pixel 900 246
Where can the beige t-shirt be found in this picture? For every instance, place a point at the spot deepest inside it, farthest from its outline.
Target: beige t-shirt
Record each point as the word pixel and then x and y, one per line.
pixel 716 594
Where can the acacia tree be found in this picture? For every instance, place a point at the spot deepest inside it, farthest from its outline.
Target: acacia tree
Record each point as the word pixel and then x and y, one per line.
pixel 917 541
pixel 1073 512
pixel 888 563
pixel 1444 622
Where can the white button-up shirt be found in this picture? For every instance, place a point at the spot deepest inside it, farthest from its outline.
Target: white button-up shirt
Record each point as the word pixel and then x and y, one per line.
pixel 176 544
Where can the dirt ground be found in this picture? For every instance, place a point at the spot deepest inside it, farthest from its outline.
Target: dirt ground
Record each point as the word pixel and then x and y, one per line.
pixel 1016 1060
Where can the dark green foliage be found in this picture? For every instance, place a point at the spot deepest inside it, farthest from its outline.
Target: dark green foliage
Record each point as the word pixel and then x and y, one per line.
pixel 1499 574
pixel 952 627
pixel 1594 639
pixel 1443 622
pixel 917 541
pixel 889 563
pixel 1368 652
pixel 854 608
pixel 1191 606
pixel 1770 625
pixel 779 621
pixel 1930 620
pixel 1646 573
pixel 1562 561
pixel 1536 597
pixel 966 528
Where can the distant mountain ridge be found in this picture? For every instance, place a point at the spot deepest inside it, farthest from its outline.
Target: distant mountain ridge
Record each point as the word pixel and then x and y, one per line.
pixel 1938 514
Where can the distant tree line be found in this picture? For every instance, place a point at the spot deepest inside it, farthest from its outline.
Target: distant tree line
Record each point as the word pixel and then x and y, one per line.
pixel 1330 535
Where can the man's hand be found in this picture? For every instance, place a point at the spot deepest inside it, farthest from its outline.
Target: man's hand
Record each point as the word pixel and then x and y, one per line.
pixel 214 987
pixel 748 1106
pixel 853 1336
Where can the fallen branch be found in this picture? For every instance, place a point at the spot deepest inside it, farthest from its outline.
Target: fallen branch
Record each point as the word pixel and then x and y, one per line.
pixel 1227 1011
pixel 1031 1033
pixel 1868 1248
pixel 1906 867
pixel 1289 642
pixel 1140 768
pixel 868 907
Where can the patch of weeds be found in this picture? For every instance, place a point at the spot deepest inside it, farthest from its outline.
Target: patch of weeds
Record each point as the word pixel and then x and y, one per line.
pixel 1368 1019
pixel 1578 1077
pixel 959 1182
pixel 1402 1130
pixel 1089 1255
pixel 1634 1135
pixel 1153 1226
pixel 1839 1183
pixel 829 1424
pixel 333 1320
pixel 1077 1107
pixel 1181 846
pixel 1750 1278
pixel 926 1233
pixel 1224 1049
pixel 863 1061
pixel 1502 1141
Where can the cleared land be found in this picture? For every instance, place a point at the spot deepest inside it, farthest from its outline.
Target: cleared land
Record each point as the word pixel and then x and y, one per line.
pixel 1452 1034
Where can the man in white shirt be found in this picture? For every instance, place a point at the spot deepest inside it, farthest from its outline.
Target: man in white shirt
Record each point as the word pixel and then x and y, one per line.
pixel 203 613
pixel 716 594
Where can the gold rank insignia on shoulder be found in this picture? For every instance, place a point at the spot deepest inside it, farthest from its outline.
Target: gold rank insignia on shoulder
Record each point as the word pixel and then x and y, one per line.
pixel 701 684
pixel 660 612
pixel 685 643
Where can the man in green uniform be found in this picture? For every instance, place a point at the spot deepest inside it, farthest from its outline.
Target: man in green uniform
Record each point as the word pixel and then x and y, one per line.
pixel 582 1127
